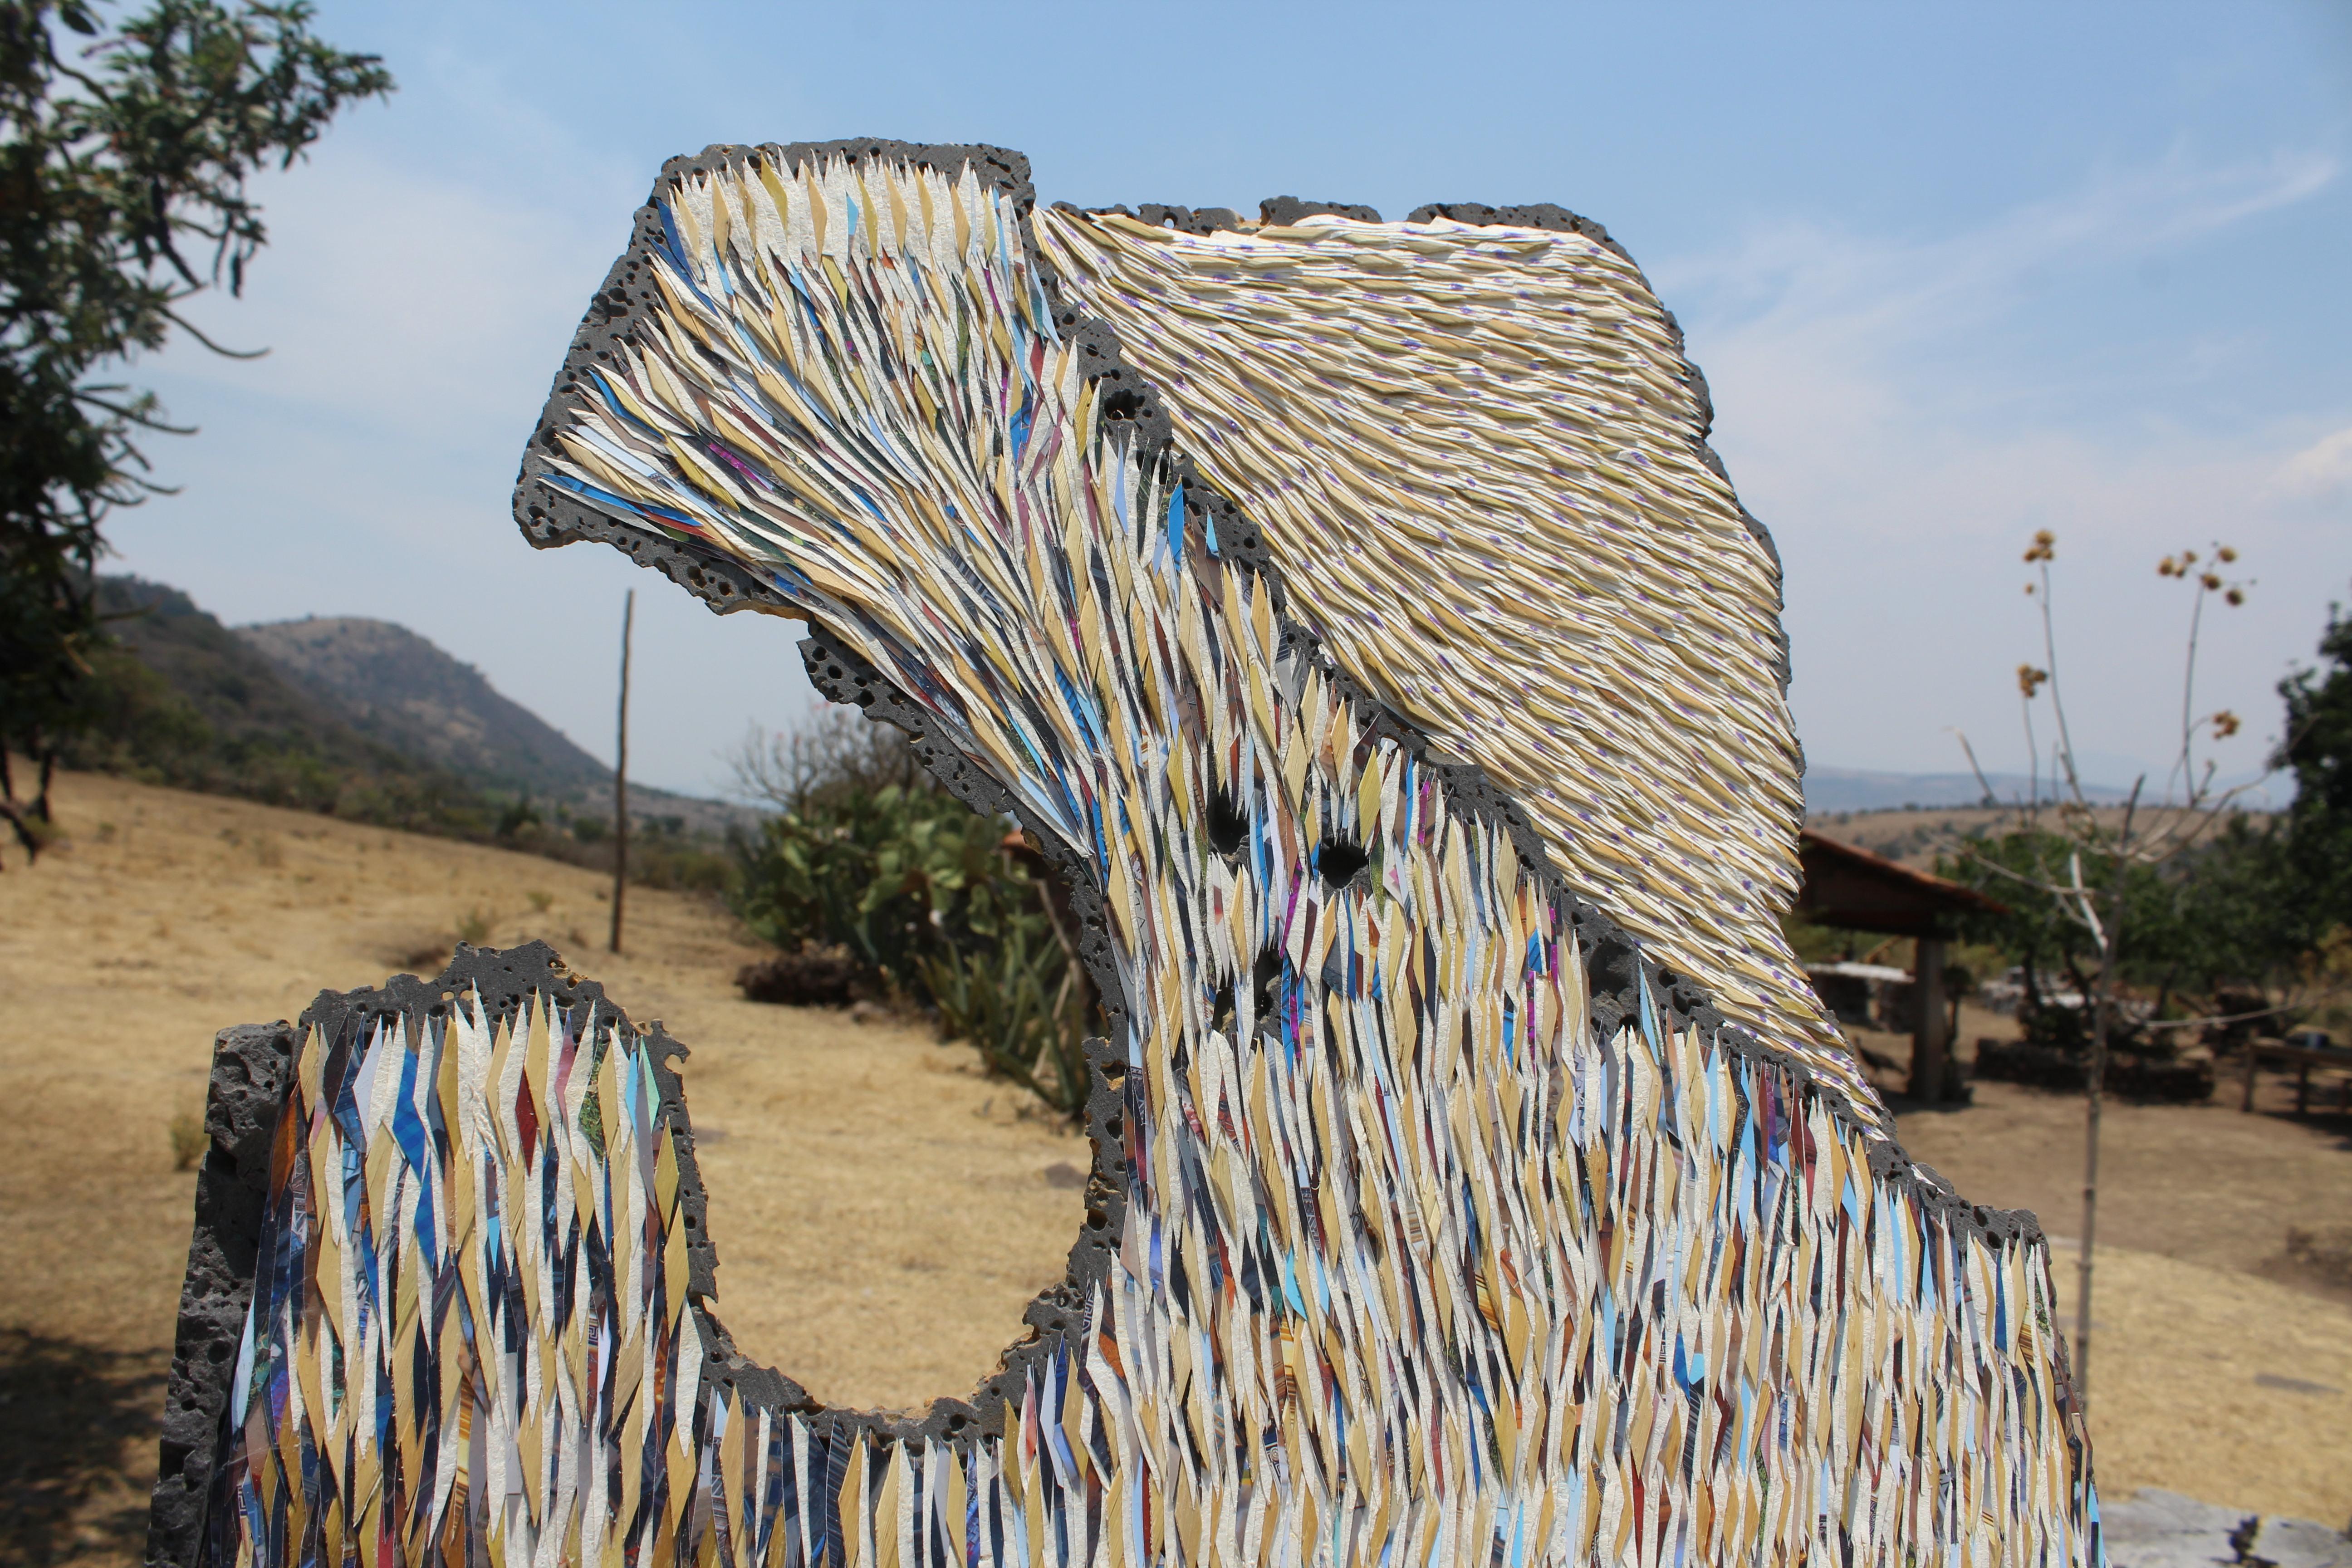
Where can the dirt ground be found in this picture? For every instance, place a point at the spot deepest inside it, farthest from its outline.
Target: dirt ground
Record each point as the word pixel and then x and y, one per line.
pixel 2203 1183
pixel 882 1211
pixel 2220 1352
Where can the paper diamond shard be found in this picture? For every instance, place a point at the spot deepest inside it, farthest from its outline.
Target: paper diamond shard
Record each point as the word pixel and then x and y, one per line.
pixel 527 1119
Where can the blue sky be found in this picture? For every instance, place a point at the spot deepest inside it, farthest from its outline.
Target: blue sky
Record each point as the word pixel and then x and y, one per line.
pixel 1954 273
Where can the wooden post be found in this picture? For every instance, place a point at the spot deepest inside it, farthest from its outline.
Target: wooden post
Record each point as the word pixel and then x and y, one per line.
pixel 621 777
pixel 2303 1087
pixel 2246 1096
pixel 1928 1046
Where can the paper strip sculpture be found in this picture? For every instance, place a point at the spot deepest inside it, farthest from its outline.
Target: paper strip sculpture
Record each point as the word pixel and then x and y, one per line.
pixel 1354 611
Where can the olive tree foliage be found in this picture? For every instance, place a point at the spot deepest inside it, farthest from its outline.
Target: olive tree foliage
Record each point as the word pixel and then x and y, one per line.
pixel 126 146
pixel 2318 748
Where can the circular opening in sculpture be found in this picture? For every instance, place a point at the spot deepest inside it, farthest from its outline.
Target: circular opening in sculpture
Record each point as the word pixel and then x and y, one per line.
pixel 901 1168
pixel 884 1211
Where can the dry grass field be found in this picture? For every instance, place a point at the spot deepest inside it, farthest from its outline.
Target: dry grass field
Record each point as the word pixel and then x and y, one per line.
pixel 882 1211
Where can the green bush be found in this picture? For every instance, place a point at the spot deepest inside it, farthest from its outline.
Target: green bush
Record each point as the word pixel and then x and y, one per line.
pixel 921 893
pixel 1015 994
pixel 887 874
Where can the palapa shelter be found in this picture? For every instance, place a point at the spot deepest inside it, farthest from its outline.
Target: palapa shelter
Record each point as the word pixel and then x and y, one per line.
pixel 1849 887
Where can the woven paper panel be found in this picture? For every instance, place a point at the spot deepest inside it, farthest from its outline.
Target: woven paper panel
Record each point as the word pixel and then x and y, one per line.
pixel 1477 455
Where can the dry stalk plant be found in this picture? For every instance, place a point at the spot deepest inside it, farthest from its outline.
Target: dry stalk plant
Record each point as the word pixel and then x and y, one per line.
pixel 835 752
pixel 2062 826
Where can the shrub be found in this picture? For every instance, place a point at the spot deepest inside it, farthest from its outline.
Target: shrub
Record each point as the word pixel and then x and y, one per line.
pixel 811 977
pixel 918 895
pixel 886 874
pixel 1013 992
pixel 188 1141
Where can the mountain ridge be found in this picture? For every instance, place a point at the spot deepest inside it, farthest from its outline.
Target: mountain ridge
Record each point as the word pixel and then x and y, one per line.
pixel 401 687
pixel 1830 789
pixel 308 712
pixel 175 697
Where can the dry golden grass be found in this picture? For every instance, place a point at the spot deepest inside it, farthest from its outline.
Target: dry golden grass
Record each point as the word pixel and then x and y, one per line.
pixel 2218 1384
pixel 2221 1365
pixel 882 1212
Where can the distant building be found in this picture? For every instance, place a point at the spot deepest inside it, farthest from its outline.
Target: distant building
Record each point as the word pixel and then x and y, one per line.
pixel 1865 995
pixel 1857 890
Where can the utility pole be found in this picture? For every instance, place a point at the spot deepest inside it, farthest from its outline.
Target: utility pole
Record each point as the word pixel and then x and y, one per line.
pixel 620 778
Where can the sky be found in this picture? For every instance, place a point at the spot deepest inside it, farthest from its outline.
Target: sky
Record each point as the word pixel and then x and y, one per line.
pixel 1954 274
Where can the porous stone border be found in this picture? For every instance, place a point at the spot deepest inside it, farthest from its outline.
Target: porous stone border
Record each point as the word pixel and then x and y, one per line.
pixel 252 1073
pixel 251 1067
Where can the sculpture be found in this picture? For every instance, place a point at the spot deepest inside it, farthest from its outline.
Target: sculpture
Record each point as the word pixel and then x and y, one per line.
pixel 1472 1181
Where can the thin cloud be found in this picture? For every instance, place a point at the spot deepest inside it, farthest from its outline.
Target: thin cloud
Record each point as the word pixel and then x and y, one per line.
pixel 365 467
pixel 2321 470
pixel 418 301
pixel 1895 409
pixel 1829 283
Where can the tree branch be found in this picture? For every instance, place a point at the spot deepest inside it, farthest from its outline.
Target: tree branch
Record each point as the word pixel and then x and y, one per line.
pixel 185 325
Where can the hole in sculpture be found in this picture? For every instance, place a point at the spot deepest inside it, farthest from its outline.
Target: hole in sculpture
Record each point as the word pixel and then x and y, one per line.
pixel 884 1212
pixel 885 1205
pixel 1227 826
pixel 1340 859
pixel 1265 975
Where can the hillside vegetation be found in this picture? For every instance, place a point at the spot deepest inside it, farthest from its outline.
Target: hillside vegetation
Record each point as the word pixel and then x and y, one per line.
pixel 180 699
pixel 1920 837
pixel 398 688
pixel 366 722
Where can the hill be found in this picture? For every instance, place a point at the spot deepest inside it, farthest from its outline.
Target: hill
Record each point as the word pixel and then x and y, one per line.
pixel 1920 837
pixel 178 699
pixel 1861 789
pixel 181 700
pixel 397 687
pixel 401 690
